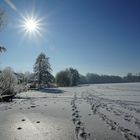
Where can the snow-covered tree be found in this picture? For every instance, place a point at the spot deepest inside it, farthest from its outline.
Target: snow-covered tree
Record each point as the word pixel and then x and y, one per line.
pixel 42 69
pixel 74 76
pixel 63 78
pixel 68 77
pixel 26 77
pixel 8 80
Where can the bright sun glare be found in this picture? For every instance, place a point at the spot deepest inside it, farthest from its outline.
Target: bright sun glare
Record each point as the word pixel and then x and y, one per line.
pixel 31 26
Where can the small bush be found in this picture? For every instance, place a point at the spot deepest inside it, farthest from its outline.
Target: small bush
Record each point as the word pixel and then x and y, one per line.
pixel 7 81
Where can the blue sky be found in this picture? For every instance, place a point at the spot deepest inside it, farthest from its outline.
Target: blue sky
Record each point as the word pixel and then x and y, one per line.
pixel 99 36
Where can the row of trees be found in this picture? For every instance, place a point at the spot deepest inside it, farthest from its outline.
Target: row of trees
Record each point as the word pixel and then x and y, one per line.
pixel 92 78
pixel 71 77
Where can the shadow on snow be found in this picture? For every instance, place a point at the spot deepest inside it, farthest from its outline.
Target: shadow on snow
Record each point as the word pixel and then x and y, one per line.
pixel 51 90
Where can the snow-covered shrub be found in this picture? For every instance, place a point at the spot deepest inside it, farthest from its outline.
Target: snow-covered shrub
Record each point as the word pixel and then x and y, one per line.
pixel 8 81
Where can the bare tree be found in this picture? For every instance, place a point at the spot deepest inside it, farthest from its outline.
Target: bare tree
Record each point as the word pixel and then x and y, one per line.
pixel 2 18
pixel 2 23
pixel 2 49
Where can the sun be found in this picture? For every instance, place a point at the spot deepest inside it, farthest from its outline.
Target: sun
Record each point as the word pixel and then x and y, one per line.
pixel 31 25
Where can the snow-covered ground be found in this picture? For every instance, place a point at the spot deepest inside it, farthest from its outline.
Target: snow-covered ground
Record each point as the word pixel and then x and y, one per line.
pixel 96 112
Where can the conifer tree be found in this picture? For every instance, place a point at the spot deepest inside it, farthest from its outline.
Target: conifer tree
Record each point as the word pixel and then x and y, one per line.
pixel 42 69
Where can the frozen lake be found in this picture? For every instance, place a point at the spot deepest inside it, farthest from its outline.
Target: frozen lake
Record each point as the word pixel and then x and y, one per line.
pixel 96 112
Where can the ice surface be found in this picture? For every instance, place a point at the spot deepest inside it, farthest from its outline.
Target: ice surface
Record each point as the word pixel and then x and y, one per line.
pixel 96 112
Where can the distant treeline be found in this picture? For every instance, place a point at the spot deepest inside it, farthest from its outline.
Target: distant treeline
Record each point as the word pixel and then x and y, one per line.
pixel 92 78
pixel 71 77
